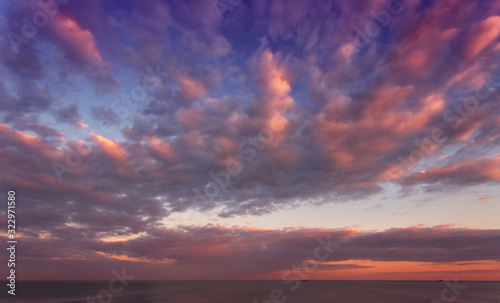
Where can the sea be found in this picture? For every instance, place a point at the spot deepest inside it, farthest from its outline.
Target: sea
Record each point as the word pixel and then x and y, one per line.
pixel 255 292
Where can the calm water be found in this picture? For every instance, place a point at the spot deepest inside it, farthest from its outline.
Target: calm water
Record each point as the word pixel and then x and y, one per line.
pixel 250 291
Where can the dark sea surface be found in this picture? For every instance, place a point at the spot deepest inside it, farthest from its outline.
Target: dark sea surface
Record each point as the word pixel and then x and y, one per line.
pixel 255 291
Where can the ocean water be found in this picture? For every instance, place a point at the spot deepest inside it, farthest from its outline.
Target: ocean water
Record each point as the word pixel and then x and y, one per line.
pixel 254 291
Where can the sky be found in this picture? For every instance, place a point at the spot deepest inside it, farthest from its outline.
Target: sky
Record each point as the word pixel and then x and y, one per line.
pixel 230 139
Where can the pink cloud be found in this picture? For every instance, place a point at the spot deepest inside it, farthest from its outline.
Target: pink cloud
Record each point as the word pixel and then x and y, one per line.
pixel 190 118
pixel 162 149
pixel 481 36
pixel 116 155
pixel 80 41
pixel 460 173
pixel 238 252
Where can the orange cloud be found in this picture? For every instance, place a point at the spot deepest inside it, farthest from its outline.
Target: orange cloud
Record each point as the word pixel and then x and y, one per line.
pixel 127 258
pixel 110 148
pixel 114 153
pixel 485 198
pixel 29 142
pixel 80 124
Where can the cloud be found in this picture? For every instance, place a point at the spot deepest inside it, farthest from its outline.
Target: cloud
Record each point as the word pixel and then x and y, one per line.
pixel 161 149
pixel 114 154
pixel 190 89
pixel 243 252
pixel 377 206
pixel 79 47
pixel 481 35
pixel 104 115
pixel 334 120
pixel 458 174
pixel 31 98
pixel 70 115
pixel 75 44
pixel 485 198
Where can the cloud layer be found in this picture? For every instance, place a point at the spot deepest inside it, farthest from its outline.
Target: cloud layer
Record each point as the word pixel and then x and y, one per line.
pixel 116 114
pixel 241 252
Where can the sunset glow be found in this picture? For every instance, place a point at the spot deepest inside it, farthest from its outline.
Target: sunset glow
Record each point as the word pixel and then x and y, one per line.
pixel 225 140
